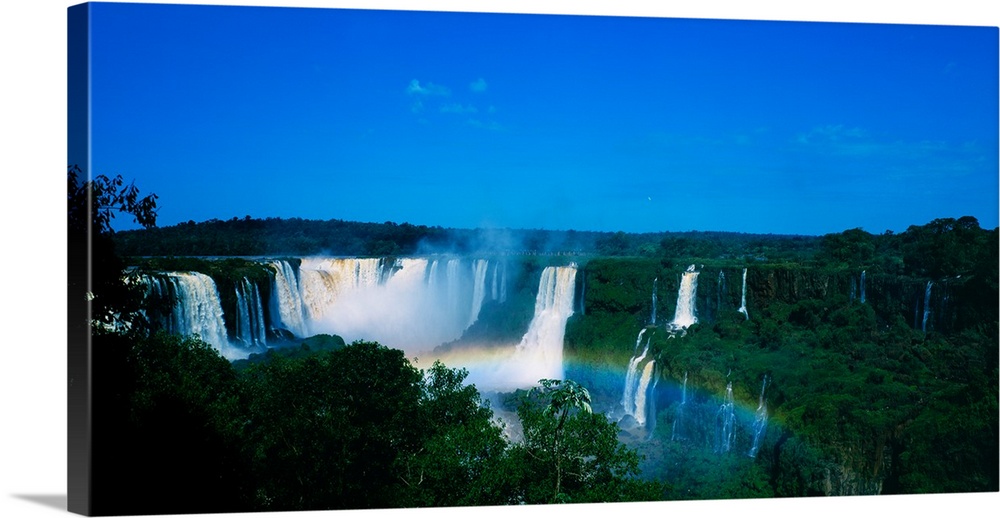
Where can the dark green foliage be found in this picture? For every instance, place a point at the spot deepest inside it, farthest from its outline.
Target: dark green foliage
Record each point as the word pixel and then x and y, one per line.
pixel 307 347
pixel 570 454
pixel 867 402
pixel 853 248
pixel 167 417
pixel 463 459
pixel 324 431
pixel 91 207
pixel 946 247
pixel 295 236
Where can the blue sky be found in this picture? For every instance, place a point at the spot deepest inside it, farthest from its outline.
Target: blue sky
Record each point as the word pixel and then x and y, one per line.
pixel 545 121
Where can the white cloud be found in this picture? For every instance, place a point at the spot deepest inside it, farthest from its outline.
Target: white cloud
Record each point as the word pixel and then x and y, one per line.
pixel 489 125
pixel 415 88
pixel 458 108
pixel 479 85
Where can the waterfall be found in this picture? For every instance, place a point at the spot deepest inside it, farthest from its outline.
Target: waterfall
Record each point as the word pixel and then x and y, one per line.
pixel 927 306
pixel 494 293
pixel 250 330
pixel 478 289
pixel 323 281
pixel 286 301
pixel 198 309
pixel 724 420
pixel 540 353
pixel 651 403
pixel 641 393
pixel 652 320
pixel 684 315
pixel 503 283
pixel 759 421
pixel 631 377
pixel 680 411
pixel 453 286
pixel 414 304
pixel 862 286
pixel 720 290
pixel 743 296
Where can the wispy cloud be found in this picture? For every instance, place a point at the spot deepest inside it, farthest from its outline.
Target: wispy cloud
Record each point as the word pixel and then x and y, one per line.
pixel 831 133
pixel 479 85
pixel 489 125
pixel 415 88
pixel 856 151
pixel 428 97
pixel 459 108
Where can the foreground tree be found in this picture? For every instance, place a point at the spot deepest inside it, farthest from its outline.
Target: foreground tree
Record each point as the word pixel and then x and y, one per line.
pixel 97 272
pixel 463 459
pixel 570 454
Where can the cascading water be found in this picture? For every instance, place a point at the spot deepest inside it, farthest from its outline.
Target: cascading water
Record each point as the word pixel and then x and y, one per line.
pixel 286 301
pixel 322 281
pixel 743 296
pixel 652 318
pixel 413 304
pixel 198 309
pixel 632 381
pixel 759 421
pixel 651 402
pixel 927 306
pixel 642 391
pixel 250 330
pixel 498 289
pixel 725 418
pixel 478 289
pixel 685 314
pixel 540 353
pixel 674 435
pixel 720 291
pixel 453 287
pixel 862 286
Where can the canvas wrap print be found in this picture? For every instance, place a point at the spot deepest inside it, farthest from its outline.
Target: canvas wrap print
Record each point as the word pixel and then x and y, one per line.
pixel 327 259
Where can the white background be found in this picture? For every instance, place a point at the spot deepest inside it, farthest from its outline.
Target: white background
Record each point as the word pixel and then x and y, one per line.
pixel 32 286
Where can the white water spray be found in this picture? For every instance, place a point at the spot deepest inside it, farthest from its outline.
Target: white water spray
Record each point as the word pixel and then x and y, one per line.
pixel 478 289
pixel 250 330
pixel 539 354
pixel 862 286
pixel 641 393
pixel 652 319
pixel 927 306
pixel 198 309
pixel 680 411
pixel 725 419
pixel 632 379
pixel 685 315
pixel 286 301
pixel 743 297
pixel 759 421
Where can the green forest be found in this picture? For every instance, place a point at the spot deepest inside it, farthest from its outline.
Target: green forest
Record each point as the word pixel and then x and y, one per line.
pixel 873 395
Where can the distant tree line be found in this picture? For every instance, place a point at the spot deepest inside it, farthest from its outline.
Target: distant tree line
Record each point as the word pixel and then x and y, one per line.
pixel 294 236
